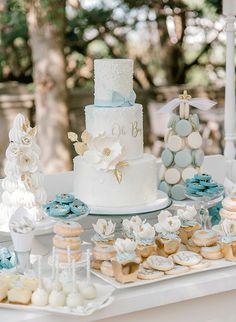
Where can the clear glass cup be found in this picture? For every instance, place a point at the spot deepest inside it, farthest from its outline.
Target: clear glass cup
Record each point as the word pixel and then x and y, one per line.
pixel 23 263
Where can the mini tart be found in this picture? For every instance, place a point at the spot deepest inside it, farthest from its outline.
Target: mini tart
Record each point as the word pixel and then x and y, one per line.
pixel 146 250
pixel 177 269
pixel 191 246
pixel 103 252
pixel 186 258
pixel 224 213
pixel 166 247
pixel 229 250
pixel 149 274
pixel 107 269
pixel 212 252
pixel 67 229
pixel 19 295
pixel 205 237
pixel 64 242
pixel 229 204
pixel 63 256
pixel 185 233
pixel 158 263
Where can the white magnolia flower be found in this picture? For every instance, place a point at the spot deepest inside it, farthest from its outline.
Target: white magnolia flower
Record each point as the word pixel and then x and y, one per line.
pixel 104 228
pixel 229 227
pixel 104 152
pixel 131 225
pixel 12 151
pixel 145 232
pixel 188 213
pixel 26 139
pixel 163 215
pixel 167 223
pixel 125 245
pixel 27 160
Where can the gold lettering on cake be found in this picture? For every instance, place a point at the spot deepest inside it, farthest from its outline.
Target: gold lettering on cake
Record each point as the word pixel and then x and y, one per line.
pixel 135 129
pixel 118 130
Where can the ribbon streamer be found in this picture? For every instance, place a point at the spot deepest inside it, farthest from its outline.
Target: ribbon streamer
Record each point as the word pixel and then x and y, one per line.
pixel 200 103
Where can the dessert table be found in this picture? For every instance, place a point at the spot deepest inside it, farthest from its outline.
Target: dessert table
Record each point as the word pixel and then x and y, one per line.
pixel 202 297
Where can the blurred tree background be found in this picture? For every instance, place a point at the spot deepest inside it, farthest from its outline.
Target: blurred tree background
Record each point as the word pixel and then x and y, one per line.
pixel 173 42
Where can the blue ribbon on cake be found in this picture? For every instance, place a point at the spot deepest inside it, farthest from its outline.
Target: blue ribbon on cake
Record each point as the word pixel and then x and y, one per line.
pixel 117 100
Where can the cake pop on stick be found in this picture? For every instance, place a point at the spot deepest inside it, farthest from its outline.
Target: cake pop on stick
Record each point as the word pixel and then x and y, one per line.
pixel 40 296
pixel 74 299
pixel 88 290
pixel 57 296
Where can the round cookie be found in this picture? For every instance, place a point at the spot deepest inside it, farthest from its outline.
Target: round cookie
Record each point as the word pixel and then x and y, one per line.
pixel 165 187
pixel 77 207
pixel 198 157
pixel 194 140
pixel 175 143
pixel 189 173
pixel 202 176
pixel 178 192
pixel 177 269
pixel 107 268
pixel 167 157
pixel 183 128
pixel 67 229
pixel 158 263
pixel 59 210
pixel 186 258
pixel 205 237
pixel 224 213
pixel 203 264
pixel 183 158
pixel 172 176
pixel 149 274
pixel 212 252
pixel 64 242
pixel 229 204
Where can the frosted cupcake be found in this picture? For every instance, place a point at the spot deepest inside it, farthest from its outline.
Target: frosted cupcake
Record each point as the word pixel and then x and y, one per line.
pixel 131 225
pixel 145 238
pixel 228 240
pixel 103 239
pixel 126 262
pixel 189 224
pixel 167 229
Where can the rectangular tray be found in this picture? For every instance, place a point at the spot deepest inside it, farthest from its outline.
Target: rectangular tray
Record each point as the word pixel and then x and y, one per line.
pixel 214 264
pixel 103 299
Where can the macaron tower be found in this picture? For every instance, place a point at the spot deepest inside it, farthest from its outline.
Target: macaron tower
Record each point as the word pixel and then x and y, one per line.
pixel 183 154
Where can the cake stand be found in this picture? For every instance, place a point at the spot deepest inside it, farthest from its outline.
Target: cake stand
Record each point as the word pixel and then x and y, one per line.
pixel 162 202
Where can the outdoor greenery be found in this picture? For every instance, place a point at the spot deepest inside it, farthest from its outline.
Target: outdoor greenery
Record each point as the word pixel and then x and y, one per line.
pixel 172 41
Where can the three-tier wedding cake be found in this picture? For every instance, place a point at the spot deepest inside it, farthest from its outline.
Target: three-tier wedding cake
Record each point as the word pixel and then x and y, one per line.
pixel 111 169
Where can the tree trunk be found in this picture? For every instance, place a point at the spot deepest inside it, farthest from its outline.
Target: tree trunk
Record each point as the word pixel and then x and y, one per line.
pixel 46 24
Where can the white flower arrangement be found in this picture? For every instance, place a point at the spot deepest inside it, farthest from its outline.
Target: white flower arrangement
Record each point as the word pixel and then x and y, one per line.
pixel 104 152
pixel 145 234
pixel 167 223
pixel 104 229
pixel 187 214
pixel 131 225
pixel 125 246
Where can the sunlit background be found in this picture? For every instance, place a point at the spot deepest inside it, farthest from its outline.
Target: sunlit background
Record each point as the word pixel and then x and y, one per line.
pixel 175 44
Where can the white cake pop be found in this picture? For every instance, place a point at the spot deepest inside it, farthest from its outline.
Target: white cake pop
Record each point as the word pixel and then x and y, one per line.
pixel 88 290
pixel 57 297
pixel 74 299
pixel 40 296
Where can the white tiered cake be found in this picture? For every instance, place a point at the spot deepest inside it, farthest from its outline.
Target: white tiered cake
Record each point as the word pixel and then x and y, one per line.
pixel 112 170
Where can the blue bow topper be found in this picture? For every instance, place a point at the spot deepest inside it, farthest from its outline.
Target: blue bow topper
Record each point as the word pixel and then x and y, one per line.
pixel 119 100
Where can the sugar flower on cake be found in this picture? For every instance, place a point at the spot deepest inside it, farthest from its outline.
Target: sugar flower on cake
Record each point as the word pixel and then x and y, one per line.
pixel 104 230
pixel 105 152
pixel 125 249
pixel 131 225
pixel 167 225
pixel 27 160
pixel 187 215
pixel 145 234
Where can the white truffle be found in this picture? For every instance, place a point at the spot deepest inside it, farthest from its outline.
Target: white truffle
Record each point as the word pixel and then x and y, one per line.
pixel 74 299
pixel 88 291
pixel 57 298
pixel 40 297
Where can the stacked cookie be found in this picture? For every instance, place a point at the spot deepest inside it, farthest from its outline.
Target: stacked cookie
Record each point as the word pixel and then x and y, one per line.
pixel 67 237
pixel 202 185
pixel 183 156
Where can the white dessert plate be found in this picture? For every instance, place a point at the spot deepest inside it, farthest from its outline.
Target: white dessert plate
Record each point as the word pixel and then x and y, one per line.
pixel 162 202
pixel 197 201
pixel 213 265
pixel 103 299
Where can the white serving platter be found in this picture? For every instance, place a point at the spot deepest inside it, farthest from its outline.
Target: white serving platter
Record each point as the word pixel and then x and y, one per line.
pixel 103 299
pixel 214 264
pixel 162 202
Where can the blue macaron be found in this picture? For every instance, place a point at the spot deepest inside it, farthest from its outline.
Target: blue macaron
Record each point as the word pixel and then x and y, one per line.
pixel 167 157
pixel 178 192
pixel 183 128
pixel 165 187
pixel 183 158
